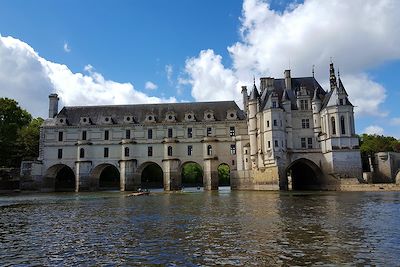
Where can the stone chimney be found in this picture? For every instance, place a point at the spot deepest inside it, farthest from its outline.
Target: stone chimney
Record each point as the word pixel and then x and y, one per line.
pixel 53 105
pixel 245 98
pixel 288 80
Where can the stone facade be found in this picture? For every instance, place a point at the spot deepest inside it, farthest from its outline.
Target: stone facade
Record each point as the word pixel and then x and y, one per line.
pixel 292 134
pixel 299 136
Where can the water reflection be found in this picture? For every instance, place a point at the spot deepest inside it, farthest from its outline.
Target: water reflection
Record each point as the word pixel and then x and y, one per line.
pixel 201 228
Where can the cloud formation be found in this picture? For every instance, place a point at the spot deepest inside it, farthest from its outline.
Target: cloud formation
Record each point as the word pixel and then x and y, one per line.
pixel 29 78
pixel 150 85
pixel 358 34
pixel 374 129
pixel 66 47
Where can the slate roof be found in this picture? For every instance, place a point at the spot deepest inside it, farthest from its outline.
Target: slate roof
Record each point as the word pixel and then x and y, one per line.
pixel 140 111
pixel 310 83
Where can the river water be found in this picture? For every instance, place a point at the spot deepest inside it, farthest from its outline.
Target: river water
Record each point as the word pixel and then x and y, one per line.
pixel 193 228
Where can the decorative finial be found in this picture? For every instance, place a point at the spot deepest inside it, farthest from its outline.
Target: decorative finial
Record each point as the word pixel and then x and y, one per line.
pixel 254 79
pixel 338 73
pixel 331 60
pixel 313 66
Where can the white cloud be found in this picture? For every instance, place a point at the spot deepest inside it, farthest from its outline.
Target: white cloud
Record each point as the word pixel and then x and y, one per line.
pixel 29 78
pixel 358 34
pixel 169 70
pixel 66 47
pixel 210 80
pixel 150 85
pixel 374 129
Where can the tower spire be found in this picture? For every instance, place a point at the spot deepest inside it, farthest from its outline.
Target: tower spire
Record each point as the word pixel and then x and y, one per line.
pixel 332 76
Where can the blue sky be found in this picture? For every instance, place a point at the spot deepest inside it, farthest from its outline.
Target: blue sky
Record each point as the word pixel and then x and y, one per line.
pixel 114 52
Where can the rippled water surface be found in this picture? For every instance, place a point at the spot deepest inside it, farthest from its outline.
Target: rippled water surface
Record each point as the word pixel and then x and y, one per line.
pixel 201 228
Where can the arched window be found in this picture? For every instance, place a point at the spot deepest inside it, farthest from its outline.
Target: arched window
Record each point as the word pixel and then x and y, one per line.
pixel 170 151
pixel 81 153
pixel 209 150
pixel 126 151
pixel 342 125
pixel 333 123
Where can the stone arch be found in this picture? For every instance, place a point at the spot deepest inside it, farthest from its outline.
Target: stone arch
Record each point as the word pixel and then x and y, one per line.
pixel 151 175
pixel 60 178
pixel 224 174
pixel 191 177
pixel 397 177
pixel 305 175
pixel 107 175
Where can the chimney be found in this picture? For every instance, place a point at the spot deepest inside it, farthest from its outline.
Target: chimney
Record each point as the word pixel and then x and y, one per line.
pixel 245 98
pixel 288 80
pixel 53 105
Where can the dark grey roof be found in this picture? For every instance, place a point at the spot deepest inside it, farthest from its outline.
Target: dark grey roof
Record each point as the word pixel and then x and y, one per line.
pixel 254 95
pixel 118 112
pixel 310 83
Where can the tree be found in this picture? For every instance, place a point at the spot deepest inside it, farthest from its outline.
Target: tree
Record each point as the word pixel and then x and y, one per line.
pixel 12 119
pixel 371 144
pixel 28 140
pixel 192 174
pixel 223 174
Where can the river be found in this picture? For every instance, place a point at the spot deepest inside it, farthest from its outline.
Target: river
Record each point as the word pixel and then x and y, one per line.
pixel 193 227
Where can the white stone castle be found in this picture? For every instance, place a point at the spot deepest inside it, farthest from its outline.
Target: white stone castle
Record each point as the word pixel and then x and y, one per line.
pixel 292 134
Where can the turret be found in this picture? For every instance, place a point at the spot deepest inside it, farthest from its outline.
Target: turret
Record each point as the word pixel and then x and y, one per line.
pixel 53 105
pixel 252 125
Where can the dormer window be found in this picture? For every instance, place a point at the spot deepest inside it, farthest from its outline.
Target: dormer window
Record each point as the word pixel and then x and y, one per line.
pixel 150 118
pixel 170 117
pixel 341 102
pixel 61 121
pixel 231 115
pixel 189 116
pixel 129 119
pixel 107 120
pixel 84 121
pixel 209 115
pixel 274 104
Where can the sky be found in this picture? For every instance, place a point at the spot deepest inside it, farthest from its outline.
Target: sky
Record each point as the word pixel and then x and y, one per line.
pixel 152 51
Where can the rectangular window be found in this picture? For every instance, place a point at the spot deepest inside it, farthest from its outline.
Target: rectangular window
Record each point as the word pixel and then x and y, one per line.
pixel 126 151
pixel 189 132
pixel 149 133
pixel 150 151
pixel 106 152
pixel 267 123
pixel 309 142
pixel 169 132
pixel 233 149
pixel 83 135
pixel 269 144
pixel 341 102
pixel 209 131
pixel 233 162
pixel 59 154
pixel 274 104
pixel 106 135
pixel 190 150
pixel 232 131
pixel 276 143
pixel 128 134
pixel 60 136
pixel 275 123
pixel 304 104
pixel 305 123
pixel 303 142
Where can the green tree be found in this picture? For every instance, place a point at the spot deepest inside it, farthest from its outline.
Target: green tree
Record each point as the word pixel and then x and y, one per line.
pixel 192 174
pixel 28 140
pixel 371 144
pixel 223 174
pixel 12 119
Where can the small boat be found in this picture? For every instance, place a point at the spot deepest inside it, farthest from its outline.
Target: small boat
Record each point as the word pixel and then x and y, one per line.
pixel 135 194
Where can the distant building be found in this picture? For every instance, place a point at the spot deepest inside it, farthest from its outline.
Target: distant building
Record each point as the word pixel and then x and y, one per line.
pixel 291 134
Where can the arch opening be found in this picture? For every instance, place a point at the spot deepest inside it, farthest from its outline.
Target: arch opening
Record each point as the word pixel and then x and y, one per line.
pixel 64 178
pixel 109 178
pixel 305 175
pixel 224 175
pixel 152 176
pixel 192 174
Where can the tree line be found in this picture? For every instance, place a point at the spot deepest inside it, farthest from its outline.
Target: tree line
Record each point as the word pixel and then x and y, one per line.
pixel 19 134
pixel 19 137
